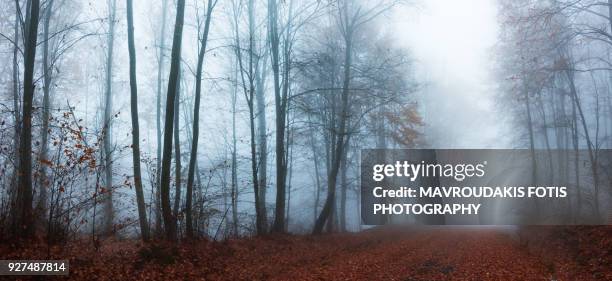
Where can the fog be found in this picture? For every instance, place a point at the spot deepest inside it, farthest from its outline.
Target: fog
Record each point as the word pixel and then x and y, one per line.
pixel 291 92
pixel 453 45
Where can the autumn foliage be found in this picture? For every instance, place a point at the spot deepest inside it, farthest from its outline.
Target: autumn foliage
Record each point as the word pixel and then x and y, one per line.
pixel 434 253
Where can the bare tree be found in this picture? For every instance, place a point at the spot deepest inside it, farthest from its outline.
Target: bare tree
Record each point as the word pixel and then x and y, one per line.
pixel 280 102
pixel 247 76
pixel 234 164
pixel 350 16
pixel 173 80
pixel 142 213
pixel 108 104
pixel 262 136
pixel 196 118
pixel 47 75
pixel 23 220
pixel 541 50
pixel 160 68
pixel 16 97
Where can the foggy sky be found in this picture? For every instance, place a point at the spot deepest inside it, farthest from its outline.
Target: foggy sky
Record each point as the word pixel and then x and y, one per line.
pixel 452 42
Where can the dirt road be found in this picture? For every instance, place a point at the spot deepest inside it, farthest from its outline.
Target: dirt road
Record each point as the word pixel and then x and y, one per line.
pixel 430 254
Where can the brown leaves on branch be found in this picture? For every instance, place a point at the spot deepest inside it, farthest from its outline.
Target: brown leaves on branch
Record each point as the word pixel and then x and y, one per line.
pixel 46 162
pixel 406 124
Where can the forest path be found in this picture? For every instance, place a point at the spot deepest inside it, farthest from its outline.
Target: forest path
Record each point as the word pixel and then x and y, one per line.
pixel 431 254
pixel 385 253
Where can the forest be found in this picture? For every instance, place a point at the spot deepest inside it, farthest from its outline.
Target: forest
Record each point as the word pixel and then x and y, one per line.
pixel 180 133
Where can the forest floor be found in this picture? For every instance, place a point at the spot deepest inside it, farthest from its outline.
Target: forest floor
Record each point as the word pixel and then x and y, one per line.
pixel 432 253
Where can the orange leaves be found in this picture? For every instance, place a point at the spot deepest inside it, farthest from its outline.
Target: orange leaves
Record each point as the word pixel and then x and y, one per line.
pixel 407 123
pixel 46 162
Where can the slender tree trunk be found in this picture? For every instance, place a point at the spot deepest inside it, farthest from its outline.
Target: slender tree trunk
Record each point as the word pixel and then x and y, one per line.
pixel 576 145
pixel 344 186
pixel 381 143
pixel 228 223
pixel 234 162
pixel 177 151
pixel 279 219
pixel 317 176
pixel 290 177
pixel 160 71
pixel 23 216
pixel 339 146
pixel 590 146
pixel 260 227
pixel 285 99
pixel 534 167
pixel 261 215
pixel 108 164
pixel 262 165
pixel 16 105
pixel 196 121
pixel 47 76
pixel 16 86
pixel 262 141
pixel 169 122
pixel 540 103
pixel 249 94
pixel 142 212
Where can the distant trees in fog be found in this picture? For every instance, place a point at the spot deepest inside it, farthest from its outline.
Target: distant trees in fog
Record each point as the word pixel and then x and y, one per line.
pixel 554 59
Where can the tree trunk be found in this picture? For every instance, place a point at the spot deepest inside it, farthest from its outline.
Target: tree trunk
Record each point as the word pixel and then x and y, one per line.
pixel 317 176
pixel 196 122
pixel 261 215
pixel 344 187
pixel 47 76
pixel 249 94
pixel 540 104
pixel 169 122
pixel 534 166
pixel 290 176
pixel 262 141
pixel 177 151
pixel 16 106
pixel 576 145
pixel 23 215
pixel 162 45
pixel 279 219
pixel 234 184
pixel 262 164
pixel 339 146
pixel 107 197
pixel 142 213
pixel 590 146
pixel 260 227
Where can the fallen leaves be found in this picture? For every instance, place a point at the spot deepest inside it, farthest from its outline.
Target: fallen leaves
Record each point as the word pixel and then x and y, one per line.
pixel 380 254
